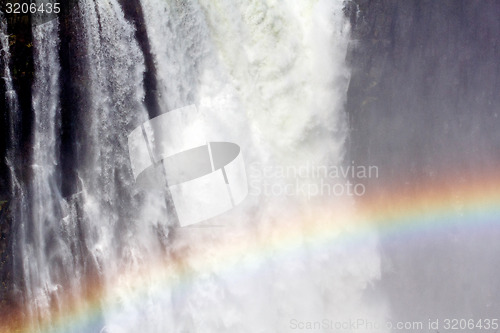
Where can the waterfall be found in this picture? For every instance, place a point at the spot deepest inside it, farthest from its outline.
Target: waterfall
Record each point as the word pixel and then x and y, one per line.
pixel 44 259
pixel 113 67
pixel 57 247
pixel 263 81
pixel 10 96
pixel 260 80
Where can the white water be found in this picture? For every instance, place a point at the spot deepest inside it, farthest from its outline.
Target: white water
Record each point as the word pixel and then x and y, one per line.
pixel 11 95
pixel 45 257
pixel 6 73
pixel 272 78
pixel 267 75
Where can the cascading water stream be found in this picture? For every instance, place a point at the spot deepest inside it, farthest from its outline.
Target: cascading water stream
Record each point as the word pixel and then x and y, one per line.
pixel 113 67
pixel 11 96
pixel 43 254
pixel 258 80
pixel 12 101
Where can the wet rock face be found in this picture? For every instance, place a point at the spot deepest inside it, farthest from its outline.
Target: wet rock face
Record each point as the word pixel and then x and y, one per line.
pixel 5 272
pixel 21 67
pixel 4 232
pixel 74 84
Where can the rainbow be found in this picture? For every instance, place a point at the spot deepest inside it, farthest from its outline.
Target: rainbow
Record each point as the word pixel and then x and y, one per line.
pixel 394 211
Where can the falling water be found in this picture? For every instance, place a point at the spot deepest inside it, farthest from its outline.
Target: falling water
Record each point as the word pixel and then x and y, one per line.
pixel 258 79
pixel 10 95
pixel 40 247
pixel 113 67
